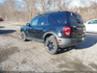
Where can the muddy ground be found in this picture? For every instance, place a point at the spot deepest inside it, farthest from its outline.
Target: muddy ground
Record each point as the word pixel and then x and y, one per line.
pixel 17 55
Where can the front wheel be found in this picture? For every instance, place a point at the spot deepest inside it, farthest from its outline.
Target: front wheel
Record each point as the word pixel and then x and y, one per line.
pixel 23 36
pixel 52 45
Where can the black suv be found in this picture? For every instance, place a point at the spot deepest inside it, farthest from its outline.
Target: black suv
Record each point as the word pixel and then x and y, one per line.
pixel 56 29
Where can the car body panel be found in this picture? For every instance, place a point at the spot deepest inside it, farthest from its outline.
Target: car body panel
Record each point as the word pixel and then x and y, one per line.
pixel 53 23
pixel 91 27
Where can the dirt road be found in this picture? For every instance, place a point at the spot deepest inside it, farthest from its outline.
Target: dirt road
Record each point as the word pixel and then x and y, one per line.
pixel 17 55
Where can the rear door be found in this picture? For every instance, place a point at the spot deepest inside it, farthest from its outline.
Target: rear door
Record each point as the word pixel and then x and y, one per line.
pixel 40 28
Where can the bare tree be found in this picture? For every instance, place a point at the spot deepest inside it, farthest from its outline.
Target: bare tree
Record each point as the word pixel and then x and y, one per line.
pixel 35 7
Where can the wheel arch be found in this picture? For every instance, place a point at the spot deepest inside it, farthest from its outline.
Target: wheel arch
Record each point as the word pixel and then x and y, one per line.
pixel 48 34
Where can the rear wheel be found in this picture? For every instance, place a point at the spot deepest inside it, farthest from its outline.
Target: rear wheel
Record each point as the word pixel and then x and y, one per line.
pixel 52 45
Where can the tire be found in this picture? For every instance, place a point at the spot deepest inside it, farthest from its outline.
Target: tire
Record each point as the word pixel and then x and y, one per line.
pixel 23 36
pixel 52 45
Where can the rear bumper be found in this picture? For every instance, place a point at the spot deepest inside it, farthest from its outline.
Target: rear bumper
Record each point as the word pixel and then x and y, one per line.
pixel 67 42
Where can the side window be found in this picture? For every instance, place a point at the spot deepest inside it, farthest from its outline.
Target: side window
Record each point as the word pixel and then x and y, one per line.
pixel 52 19
pixel 93 22
pixel 42 21
pixel 34 22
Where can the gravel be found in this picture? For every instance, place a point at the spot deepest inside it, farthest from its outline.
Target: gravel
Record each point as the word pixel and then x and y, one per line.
pixel 17 55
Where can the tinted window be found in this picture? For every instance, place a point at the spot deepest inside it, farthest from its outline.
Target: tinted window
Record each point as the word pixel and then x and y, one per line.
pixel 65 18
pixel 34 21
pixel 58 18
pixel 93 22
pixel 42 21
pixel 75 19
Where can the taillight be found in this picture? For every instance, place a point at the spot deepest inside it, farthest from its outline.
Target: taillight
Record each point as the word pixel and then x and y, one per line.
pixel 67 31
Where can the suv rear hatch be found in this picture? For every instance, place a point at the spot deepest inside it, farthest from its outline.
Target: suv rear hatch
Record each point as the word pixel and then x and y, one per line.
pixel 71 23
pixel 78 31
pixel 76 23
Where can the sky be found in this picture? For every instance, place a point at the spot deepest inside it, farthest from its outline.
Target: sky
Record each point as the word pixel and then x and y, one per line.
pixel 20 5
pixel 2 1
pixel 80 3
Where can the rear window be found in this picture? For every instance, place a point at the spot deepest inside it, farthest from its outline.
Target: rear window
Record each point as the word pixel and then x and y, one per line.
pixel 65 18
pixel 75 19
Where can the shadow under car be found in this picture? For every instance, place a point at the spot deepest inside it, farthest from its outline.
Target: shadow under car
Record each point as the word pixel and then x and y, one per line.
pixel 90 40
